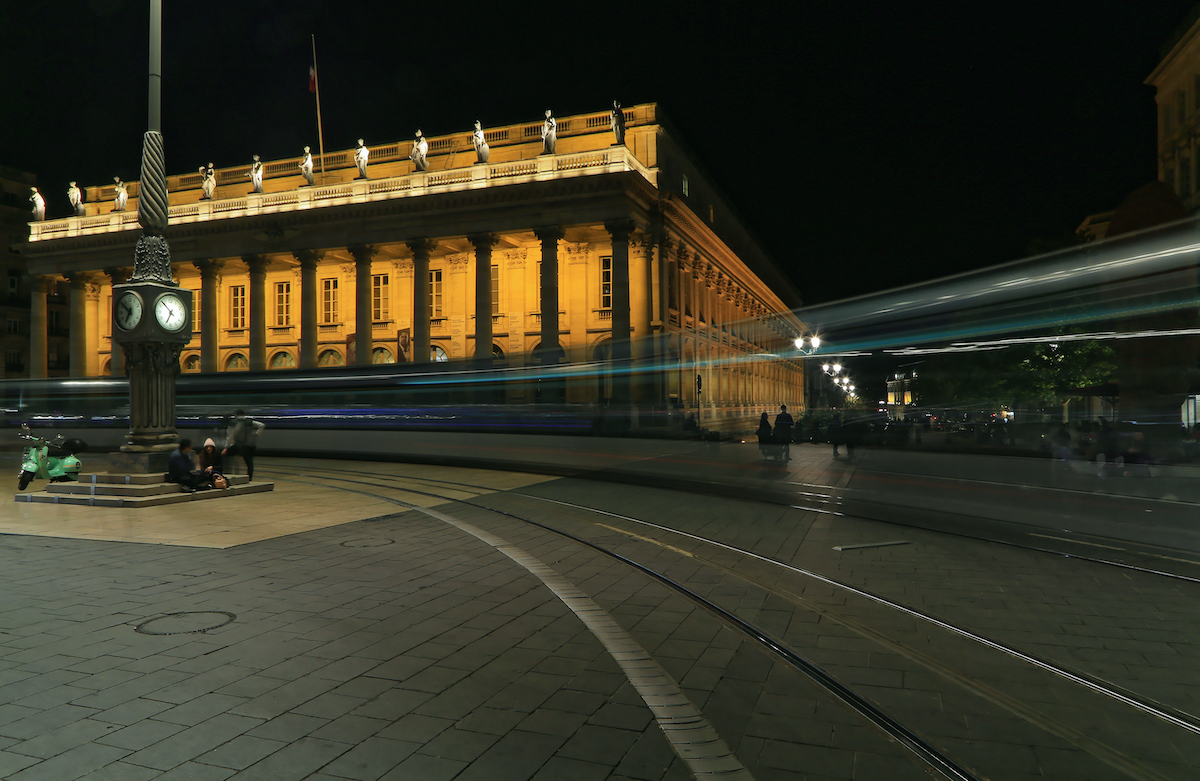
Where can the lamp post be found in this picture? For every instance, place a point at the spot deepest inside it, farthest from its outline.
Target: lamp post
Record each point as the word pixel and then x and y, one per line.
pixel 151 313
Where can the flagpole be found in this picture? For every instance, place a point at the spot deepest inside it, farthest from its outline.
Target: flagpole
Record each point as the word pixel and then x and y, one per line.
pixel 317 86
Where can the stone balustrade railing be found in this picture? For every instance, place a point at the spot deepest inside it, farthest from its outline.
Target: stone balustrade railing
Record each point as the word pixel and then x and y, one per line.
pixel 542 168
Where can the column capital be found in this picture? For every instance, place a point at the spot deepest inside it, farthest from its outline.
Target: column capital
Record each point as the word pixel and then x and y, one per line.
pixel 79 279
pixel 309 258
pixel 209 268
pixel 619 229
pixel 643 242
pixel 422 247
pixel 363 253
pixel 483 240
pixel 118 274
pixel 257 263
pixel 39 284
pixel 549 233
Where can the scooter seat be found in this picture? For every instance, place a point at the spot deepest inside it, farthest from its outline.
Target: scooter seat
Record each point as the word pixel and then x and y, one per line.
pixel 54 451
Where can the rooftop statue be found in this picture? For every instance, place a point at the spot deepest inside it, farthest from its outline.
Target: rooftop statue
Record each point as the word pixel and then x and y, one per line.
pixel 75 196
pixel 256 174
pixel 360 159
pixel 481 147
pixel 306 166
pixel 618 123
pixel 39 205
pixel 419 150
pixel 208 181
pixel 122 195
pixel 549 134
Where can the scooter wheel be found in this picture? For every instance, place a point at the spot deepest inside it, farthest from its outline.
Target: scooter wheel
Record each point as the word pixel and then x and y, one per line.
pixel 24 480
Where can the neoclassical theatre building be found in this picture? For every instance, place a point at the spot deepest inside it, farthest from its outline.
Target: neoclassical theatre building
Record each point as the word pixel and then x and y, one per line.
pixel 579 249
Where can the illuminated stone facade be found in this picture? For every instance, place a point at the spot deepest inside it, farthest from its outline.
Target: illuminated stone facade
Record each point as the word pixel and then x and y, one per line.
pixel 1176 82
pixel 607 238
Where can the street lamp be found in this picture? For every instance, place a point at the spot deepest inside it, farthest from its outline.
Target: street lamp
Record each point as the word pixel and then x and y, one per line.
pixel 813 342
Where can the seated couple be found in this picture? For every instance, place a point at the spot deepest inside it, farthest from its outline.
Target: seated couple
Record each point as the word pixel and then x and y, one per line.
pixel 182 469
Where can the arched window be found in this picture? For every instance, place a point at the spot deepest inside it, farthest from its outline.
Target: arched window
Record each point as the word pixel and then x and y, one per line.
pixel 236 363
pixel 330 358
pixel 382 355
pixel 191 363
pixel 107 370
pixel 497 353
pixel 283 360
pixel 437 354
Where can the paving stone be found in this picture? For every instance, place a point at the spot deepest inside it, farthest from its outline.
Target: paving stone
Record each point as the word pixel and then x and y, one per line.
pixel 241 752
pixel 295 761
pixel 371 758
pixel 193 741
pixel 137 736
pixel 70 764
pixel 425 768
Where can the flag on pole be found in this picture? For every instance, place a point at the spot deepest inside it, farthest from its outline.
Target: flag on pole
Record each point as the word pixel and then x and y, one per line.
pixel 312 79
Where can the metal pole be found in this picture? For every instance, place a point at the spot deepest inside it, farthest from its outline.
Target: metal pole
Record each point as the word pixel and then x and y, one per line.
pixel 317 86
pixel 155 117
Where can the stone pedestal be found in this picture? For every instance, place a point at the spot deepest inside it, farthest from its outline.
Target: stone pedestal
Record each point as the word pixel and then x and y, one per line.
pixel 155 462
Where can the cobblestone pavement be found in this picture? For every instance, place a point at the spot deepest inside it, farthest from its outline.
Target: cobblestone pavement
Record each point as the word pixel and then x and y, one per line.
pixel 402 647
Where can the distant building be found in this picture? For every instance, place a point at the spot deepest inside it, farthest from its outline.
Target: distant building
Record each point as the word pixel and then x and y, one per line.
pixel 588 254
pixel 1176 81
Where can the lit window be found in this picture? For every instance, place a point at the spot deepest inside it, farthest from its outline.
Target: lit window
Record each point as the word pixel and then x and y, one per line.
pixel 283 303
pixel 685 185
pixel 330 358
pixel 437 354
pixel 236 363
pixel 283 360
pixel 379 297
pixel 382 355
pixel 495 290
pixel 329 301
pixel 192 363
pixel 195 311
pixel 237 306
pixel 605 283
pixel 435 293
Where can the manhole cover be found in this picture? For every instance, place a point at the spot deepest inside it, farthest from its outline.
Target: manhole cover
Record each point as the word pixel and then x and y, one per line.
pixel 377 542
pixel 185 623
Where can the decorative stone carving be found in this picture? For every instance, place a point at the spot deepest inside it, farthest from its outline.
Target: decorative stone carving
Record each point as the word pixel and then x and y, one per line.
pixel 256 175
pixel 549 134
pixel 39 205
pixel 481 148
pixel 515 258
pixel 306 167
pixel 122 195
pixel 617 121
pixel 208 182
pixel 403 266
pixel 458 262
pixel 360 159
pixel 419 150
pixel 152 260
pixel 75 196
pixel 576 253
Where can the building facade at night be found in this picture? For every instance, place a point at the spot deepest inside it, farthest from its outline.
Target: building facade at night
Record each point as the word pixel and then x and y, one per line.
pixel 570 248
pixel 1176 81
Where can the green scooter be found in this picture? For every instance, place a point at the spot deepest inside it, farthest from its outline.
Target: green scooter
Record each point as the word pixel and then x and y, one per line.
pixel 52 460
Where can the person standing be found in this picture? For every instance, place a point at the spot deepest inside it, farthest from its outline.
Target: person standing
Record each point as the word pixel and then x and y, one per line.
pixel 242 439
pixel 783 431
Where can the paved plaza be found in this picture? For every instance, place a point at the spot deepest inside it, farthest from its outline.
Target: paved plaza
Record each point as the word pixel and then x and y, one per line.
pixel 406 621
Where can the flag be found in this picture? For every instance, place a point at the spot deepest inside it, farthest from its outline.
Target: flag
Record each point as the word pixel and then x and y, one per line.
pixel 312 79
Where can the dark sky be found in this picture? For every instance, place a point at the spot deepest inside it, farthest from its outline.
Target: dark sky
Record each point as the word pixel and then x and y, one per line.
pixel 867 145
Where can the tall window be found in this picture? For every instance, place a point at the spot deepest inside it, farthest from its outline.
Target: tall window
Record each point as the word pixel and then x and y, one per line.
pixel 435 293
pixel 1185 178
pixel 495 290
pixel 605 283
pixel 237 306
pixel 195 310
pixel 379 297
pixel 329 301
pixel 283 303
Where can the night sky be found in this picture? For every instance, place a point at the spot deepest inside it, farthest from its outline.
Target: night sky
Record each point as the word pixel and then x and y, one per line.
pixel 867 146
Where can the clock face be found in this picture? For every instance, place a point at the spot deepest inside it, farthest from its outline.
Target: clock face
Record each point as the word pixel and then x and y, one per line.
pixel 129 311
pixel 171 312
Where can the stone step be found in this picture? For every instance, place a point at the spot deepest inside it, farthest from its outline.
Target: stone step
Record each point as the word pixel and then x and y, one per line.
pixel 136 479
pixel 140 488
pixel 175 497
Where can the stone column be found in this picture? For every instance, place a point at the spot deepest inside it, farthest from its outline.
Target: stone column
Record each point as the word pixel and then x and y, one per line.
pixel 621 352
pixel 116 355
pixel 210 275
pixel 39 343
pixel 420 330
pixel 92 312
pixel 78 324
pixel 549 236
pixel 258 311
pixel 309 258
pixel 363 254
pixel 483 296
pixel 641 311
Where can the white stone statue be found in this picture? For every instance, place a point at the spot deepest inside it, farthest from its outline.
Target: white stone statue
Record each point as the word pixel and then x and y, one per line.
pixel 75 196
pixel 122 195
pixel 419 150
pixel 549 134
pixel 256 174
pixel 618 123
pixel 360 159
pixel 39 205
pixel 208 181
pixel 481 147
pixel 306 166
